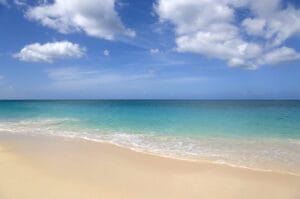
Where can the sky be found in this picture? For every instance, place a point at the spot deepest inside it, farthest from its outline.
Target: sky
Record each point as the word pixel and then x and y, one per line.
pixel 149 49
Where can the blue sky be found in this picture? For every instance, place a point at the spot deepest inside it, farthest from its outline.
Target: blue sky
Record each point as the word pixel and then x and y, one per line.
pixel 149 49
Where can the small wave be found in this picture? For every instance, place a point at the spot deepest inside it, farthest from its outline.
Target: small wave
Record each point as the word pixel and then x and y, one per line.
pixel 263 154
pixel 28 124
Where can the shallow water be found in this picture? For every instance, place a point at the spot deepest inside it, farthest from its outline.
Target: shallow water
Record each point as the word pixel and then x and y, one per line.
pixel 256 134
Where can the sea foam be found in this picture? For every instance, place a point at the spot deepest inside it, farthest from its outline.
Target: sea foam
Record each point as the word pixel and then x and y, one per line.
pixel 266 154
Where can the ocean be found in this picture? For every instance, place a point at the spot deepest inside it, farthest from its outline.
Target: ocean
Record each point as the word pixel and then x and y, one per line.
pixel 255 134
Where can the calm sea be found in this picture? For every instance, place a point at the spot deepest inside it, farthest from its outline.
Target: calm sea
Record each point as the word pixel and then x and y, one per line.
pixel 259 134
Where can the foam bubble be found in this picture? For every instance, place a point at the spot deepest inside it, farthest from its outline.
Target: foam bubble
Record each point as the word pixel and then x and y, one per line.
pixel 267 154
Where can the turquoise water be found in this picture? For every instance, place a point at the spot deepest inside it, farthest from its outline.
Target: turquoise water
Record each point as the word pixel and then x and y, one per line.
pixel 256 134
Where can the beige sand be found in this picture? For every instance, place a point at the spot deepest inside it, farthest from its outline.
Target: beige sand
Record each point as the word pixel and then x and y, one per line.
pixel 47 167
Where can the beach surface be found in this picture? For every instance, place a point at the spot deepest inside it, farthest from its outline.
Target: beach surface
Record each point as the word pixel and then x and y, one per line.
pixel 37 167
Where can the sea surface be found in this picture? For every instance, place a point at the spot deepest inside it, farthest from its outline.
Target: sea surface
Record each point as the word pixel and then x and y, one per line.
pixel 256 134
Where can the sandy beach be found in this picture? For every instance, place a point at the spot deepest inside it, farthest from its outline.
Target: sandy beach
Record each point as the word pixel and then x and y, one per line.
pixel 54 167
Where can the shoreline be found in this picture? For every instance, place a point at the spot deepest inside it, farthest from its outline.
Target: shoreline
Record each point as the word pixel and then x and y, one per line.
pixel 179 158
pixel 85 165
pixel 138 150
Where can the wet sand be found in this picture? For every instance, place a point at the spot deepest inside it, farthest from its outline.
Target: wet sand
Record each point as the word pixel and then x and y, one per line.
pixel 37 167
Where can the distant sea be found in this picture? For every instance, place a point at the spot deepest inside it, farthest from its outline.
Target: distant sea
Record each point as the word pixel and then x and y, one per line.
pixel 257 134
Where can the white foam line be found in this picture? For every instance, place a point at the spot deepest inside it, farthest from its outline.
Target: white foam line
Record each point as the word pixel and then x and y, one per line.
pixel 176 157
pixel 185 159
pixel 145 151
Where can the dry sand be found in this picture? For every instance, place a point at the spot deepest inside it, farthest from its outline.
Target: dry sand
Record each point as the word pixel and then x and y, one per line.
pixel 51 167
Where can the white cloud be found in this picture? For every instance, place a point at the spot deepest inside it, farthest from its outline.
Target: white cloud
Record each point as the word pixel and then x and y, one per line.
pixel 254 26
pixel 97 18
pixel 280 55
pixel 106 52
pixel 154 50
pixel 48 52
pixel 284 24
pixel 211 28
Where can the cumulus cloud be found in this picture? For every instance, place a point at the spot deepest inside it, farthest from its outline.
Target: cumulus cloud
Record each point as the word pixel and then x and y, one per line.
pixel 49 52
pixel 212 28
pixel 279 55
pixel 97 18
pixel 254 26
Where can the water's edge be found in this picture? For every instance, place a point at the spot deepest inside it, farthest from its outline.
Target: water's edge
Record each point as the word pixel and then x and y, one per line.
pixel 157 154
pixel 254 134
